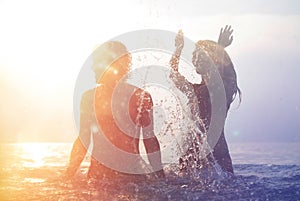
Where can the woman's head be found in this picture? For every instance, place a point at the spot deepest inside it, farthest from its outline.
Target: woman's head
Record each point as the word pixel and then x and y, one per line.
pixel 111 58
pixel 201 61
pixel 209 54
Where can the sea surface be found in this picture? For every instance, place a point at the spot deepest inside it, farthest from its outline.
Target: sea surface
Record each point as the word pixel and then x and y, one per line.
pixel 33 171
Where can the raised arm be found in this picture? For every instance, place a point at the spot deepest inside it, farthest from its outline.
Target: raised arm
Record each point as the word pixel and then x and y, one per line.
pixel 225 37
pixel 179 43
pixel 179 80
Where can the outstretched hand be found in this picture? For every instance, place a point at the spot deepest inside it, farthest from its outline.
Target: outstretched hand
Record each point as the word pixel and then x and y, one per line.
pixel 225 37
pixel 179 41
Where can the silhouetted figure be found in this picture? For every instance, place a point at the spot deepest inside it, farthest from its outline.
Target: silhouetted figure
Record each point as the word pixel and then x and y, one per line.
pixel 98 118
pixel 203 67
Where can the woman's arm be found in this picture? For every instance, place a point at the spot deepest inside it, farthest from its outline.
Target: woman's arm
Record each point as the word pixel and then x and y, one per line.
pixel 225 39
pixel 179 80
pixel 77 155
pixel 82 142
pixel 179 43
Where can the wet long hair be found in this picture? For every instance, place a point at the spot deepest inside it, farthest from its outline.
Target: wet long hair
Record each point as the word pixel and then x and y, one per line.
pixel 224 65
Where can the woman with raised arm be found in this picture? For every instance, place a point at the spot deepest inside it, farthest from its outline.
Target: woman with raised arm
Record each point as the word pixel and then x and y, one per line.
pixel 201 62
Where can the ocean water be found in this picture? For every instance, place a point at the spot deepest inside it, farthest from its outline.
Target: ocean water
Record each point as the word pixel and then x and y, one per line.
pixel 33 171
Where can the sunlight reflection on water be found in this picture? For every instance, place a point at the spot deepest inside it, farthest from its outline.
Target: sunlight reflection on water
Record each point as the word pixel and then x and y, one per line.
pixel 35 154
pixel 33 171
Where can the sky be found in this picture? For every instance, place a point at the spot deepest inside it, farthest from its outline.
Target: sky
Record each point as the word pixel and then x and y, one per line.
pixel 43 46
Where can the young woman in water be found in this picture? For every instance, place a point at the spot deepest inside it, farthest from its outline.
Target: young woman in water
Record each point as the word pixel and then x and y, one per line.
pixel 202 63
pixel 98 114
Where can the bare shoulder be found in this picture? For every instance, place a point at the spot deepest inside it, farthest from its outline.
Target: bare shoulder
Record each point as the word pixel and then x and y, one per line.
pixel 87 100
pixel 89 93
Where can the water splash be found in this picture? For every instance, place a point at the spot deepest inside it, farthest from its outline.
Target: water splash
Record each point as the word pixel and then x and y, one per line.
pixel 196 159
pixel 183 126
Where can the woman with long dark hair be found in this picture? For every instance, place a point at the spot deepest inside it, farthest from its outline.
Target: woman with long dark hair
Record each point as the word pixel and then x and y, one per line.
pixel 207 54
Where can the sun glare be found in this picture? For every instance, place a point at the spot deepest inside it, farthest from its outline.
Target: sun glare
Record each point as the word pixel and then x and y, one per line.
pixel 35 154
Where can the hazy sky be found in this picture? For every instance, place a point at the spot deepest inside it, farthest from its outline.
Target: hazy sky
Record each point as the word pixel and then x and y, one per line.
pixel 44 44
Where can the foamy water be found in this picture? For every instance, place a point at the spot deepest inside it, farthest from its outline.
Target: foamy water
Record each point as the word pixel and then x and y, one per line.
pixel 32 171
